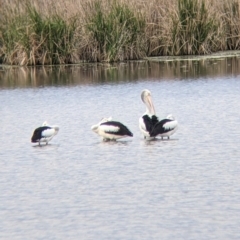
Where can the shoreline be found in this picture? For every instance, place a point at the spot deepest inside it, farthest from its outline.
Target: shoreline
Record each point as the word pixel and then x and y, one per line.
pixel 216 55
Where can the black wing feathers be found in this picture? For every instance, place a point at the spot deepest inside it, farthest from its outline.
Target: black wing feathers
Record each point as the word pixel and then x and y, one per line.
pixel 123 130
pixel 159 129
pixel 154 126
pixel 37 134
pixel 150 122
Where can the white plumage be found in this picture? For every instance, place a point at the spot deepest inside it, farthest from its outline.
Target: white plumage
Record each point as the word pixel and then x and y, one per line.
pixel 45 133
pixel 149 124
pixel 111 130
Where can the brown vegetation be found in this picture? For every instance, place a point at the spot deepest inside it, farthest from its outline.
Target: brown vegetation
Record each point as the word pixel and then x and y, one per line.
pixel 59 32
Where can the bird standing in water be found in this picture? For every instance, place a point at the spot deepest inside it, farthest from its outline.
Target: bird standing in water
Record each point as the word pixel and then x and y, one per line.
pixel 45 133
pixel 111 130
pixel 149 124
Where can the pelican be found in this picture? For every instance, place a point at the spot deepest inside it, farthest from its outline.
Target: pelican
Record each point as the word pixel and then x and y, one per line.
pixel 111 130
pixel 45 133
pixel 149 124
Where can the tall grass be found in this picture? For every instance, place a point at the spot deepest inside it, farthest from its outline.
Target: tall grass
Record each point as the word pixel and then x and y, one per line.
pixel 231 20
pixel 32 38
pixel 193 28
pixel 59 32
pixel 52 38
pixel 116 31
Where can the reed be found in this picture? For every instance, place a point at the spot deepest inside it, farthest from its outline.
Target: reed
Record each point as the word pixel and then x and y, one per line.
pixel 193 28
pixel 59 32
pixel 231 20
pixel 52 38
pixel 116 31
pixel 32 38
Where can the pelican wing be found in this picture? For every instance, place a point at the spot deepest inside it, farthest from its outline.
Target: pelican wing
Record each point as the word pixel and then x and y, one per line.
pixel 164 126
pixel 48 132
pixel 170 125
pixel 147 124
pixel 115 128
pixel 95 127
pixel 38 133
pixel 109 128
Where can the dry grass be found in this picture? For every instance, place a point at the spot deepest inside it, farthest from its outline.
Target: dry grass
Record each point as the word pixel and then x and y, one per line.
pixel 58 32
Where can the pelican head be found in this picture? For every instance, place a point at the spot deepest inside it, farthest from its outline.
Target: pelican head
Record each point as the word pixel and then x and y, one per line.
pixel 55 127
pixel 170 116
pixel 95 127
pixel 147 100
pixel 106 119
pixel 45 123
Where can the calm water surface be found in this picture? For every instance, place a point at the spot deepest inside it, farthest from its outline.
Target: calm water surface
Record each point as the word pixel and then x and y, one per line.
pixel 79 187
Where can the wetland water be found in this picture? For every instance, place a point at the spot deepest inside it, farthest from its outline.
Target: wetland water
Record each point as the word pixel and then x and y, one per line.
pixel 79 187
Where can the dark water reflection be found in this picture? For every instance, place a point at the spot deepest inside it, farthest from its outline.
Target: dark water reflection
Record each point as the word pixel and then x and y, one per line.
pixel 79 187
pixel 85 74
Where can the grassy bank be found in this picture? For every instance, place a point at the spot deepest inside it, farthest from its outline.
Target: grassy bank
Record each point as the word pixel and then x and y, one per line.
pixel 59 32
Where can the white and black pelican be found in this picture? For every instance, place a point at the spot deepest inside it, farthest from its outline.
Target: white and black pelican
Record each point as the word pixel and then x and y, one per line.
pixel 45 133
pixel 149 124
pixel 111 130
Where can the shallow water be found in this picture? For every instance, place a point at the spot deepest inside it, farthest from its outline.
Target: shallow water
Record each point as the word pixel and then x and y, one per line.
pixel 79 187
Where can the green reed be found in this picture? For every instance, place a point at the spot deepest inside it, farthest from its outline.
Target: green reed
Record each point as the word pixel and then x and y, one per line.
pixel 115 31
pixel 31 38
pixel 193 28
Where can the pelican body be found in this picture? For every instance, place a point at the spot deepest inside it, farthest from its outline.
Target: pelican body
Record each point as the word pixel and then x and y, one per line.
pixel 44 133
pixel 111 130
pixel 149 124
